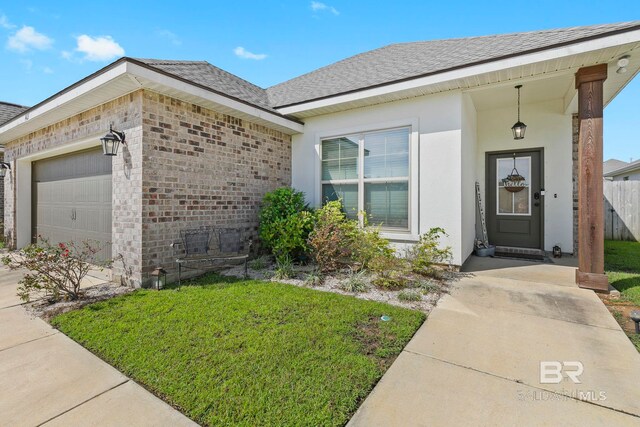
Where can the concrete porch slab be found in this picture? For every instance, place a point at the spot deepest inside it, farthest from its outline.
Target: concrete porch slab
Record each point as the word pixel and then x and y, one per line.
pixel 476 360
pixel 422 391
pixel 460 332
pixel 568 303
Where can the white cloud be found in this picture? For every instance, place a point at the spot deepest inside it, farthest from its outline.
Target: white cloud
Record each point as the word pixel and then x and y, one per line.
pixel 100 48
pixel 47 70
pixel 245 54
pixel 317 6
pixel 28 38
pixel 172 37
pixel 4 22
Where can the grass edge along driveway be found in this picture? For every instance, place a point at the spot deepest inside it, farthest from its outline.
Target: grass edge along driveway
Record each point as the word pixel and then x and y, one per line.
pixel 229 352
pixel 622 265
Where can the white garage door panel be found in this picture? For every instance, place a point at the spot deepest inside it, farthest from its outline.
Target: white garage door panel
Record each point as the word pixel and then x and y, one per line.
pixel 72 199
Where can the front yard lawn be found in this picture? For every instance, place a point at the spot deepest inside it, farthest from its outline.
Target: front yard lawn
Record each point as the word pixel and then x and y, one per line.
pixel 229 352
pixel 622 264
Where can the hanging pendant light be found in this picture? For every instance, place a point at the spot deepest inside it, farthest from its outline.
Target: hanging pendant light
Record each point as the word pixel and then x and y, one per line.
pixel 519 128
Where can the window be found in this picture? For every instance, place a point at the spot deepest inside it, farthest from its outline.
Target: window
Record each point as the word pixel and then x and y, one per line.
pixel 370 173
pixel 514 203
pixel 626 178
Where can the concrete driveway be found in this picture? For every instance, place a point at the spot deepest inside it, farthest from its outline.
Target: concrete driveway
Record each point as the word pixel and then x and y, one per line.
pixel 477 359
pixel 48 379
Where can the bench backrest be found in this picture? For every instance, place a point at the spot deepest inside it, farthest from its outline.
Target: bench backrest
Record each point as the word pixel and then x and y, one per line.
pixel 196 241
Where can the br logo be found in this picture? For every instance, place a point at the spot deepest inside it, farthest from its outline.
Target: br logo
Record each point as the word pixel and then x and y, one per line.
pixel 552 372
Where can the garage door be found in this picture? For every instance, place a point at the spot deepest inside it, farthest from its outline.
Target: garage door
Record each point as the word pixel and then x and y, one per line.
pixel 72 199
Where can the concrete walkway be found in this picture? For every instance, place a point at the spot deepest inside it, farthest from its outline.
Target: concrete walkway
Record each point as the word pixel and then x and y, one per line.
pixel 476 360
pixel 48 379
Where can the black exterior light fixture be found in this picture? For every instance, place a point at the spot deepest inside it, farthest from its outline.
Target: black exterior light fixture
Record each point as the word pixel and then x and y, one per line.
pixel 519 128
pixel 4 167
pixel 111 142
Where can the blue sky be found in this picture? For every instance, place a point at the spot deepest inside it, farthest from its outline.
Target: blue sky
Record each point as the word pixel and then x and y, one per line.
pixel 46 46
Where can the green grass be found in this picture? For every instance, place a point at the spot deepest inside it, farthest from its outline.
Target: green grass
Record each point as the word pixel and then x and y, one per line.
pixel 622 264
pixel 231 352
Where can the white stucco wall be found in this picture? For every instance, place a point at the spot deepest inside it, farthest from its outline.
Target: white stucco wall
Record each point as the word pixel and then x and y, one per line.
pixel 436 154
pixel 547 127
pixel 469 176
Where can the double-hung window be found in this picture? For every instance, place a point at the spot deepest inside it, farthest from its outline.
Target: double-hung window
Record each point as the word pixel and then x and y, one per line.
pixel 370 173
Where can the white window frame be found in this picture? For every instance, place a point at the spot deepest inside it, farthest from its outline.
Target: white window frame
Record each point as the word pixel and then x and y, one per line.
pixel 409 234
pixel 499 179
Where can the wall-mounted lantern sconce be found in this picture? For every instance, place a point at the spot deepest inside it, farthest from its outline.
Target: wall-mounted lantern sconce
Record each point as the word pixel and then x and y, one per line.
pixel 4 167
pixel 519 128
pixel 111 142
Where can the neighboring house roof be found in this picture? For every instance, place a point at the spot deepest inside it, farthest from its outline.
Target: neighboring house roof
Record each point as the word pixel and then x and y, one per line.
pixel 205 74
pixel 611 165
pixel 9 111
pixel 405 61
pixel 629 167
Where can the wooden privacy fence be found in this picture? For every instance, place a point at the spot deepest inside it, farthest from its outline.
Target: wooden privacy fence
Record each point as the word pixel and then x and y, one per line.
pixel 622 210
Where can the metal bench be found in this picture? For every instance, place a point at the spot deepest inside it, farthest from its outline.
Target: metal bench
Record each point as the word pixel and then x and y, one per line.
pixel 195 244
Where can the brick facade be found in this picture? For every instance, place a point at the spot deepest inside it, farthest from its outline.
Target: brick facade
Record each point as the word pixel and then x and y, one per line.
pixel 183 166
pixel 203 168
pixel 2 202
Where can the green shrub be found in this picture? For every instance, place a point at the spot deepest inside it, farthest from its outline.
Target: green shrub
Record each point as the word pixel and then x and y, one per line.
pixel 284 268
pixel 391 272
pixel 285 223
pixel 425 254
pixel 259 263
pixel 409 296
pixel 428 286
pixel 367 244
pixel 331 239
pixel 356 282
pixel 314 278
pixel 54 272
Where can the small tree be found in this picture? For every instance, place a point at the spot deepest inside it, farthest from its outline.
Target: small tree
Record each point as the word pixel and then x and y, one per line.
pixel 55 272
pixel 427 253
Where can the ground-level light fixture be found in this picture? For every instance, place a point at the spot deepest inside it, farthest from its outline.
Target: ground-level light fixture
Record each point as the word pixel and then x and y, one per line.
pixel 159 278
pixel 4 167
pixel 519 128
pixel 111 142
pixel 635 316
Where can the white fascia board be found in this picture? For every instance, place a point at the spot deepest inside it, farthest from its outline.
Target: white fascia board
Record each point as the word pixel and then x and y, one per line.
pixel 177 84
pixel 516 61
pixel 66 97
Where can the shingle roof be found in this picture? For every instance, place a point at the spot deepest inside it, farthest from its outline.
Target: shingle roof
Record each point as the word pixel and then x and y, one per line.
pixel 404 61
pixel 612 165
pixel 9 111
pixel 205 74
pixel 623 169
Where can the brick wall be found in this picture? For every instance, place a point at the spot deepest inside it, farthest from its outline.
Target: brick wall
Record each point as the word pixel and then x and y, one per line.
pixel 1 202
pixel 183 166
pixel 123 113
pixel 575 126
pixel 203 168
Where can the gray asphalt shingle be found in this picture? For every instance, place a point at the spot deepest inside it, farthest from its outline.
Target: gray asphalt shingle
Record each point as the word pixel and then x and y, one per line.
pixel 205 74
pixel 9 111
pixel 402 61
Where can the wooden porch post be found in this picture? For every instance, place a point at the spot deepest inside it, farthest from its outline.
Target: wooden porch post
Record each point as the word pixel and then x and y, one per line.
pixel 590 273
